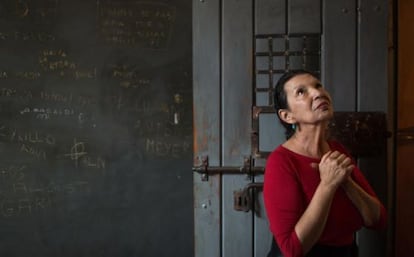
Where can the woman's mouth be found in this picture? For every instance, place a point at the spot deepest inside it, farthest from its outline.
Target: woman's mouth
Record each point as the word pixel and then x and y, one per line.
pixel 323 105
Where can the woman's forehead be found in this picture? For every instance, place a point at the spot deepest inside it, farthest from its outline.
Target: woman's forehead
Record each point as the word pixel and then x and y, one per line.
pixel 302 79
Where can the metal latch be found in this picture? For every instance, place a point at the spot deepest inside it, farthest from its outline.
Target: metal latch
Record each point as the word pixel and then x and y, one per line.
pixel 246 198
pixel 201 166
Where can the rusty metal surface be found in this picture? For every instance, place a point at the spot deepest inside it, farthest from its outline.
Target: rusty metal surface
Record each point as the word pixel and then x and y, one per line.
pixel 205 170
pixel 206 99
pixel 362 133
pixel 246 199
pixel 237 77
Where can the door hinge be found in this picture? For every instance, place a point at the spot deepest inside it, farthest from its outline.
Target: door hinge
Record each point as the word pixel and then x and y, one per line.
pixel 201 166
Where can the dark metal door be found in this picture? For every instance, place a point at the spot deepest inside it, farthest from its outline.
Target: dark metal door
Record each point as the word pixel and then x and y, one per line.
pixel 241 47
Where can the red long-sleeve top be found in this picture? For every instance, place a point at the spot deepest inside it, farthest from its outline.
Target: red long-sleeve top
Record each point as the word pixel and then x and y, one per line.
pixel 289 185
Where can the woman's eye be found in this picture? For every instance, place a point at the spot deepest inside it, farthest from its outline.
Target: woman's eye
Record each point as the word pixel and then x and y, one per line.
pixel 300 91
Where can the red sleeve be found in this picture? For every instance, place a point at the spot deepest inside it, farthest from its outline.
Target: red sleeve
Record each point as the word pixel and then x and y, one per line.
pixel 284 203
pixel 360 179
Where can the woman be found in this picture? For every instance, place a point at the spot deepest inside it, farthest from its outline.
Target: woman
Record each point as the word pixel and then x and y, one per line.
pixel 315 196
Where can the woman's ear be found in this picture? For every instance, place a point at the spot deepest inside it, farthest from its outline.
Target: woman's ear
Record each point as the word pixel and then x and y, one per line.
pixel 286 116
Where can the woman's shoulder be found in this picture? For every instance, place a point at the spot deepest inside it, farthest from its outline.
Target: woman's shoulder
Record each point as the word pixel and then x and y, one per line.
pixel 277 155
pixel 282 157
pixel 279 152
pixel 279 164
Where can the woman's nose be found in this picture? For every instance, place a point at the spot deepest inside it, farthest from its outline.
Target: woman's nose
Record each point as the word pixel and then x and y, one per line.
pixel 316 91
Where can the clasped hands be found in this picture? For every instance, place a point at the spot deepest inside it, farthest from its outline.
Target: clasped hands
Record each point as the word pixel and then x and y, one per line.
pixel 335 169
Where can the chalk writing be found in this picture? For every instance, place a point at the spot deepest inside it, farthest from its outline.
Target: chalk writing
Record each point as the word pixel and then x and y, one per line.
pixel 163 148
pixel 84 74
pixel 77 151
pixel 23 200
pixel 18 95
pixel 129 78
pixel 56 97
pixel 56 60
pixel 33 151
pixel 24 206
pixel 39 12
pixel 33 137
pixel 52 188
pixel 8 92
pixel 122 102
pixel 51 60
pixel 68 98
pixel 82 158
pixel 27 36
pixel 144 24
pixel 47 113
pixel 157 128
pixel 12 173
pixel 28 75
pixel 29 140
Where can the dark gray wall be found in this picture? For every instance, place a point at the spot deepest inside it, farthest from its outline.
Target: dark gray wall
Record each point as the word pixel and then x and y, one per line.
pixel 96 128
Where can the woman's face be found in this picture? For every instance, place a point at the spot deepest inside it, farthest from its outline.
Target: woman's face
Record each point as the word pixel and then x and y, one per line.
pixel 308 101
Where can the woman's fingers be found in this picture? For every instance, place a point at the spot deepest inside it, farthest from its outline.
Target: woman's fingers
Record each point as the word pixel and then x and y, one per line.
pixel 326 156
pixel 335 167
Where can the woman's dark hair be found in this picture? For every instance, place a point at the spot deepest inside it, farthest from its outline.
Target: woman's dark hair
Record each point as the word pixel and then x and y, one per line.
pixel 279 96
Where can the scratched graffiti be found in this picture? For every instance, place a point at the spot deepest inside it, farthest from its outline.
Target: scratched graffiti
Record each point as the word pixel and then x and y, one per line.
pixel 19 197
pixel 27 36
pixel 81 158
pixel 146 24
pixel 23 199
pixel 41 12
pixel 58 61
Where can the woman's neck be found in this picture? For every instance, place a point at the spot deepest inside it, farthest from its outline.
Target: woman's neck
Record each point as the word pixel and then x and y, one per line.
pixel 309 142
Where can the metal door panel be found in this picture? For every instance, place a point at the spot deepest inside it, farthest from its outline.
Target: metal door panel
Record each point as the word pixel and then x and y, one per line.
pixel 236 123
pixel 270 17
pixel 373 56
pixel 339 52
pixel 271 132
pixel 262 236
pixel 373 96
pixel 370 242
pixel 206 91
pixel 207 223
pixel 304 16
pixel 265 45
pixel 237 225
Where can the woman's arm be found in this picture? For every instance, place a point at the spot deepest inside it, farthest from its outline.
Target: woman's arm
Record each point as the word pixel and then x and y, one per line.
pixel 361 194
pixel 312 223
pixel 334 169
pixel 369 207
